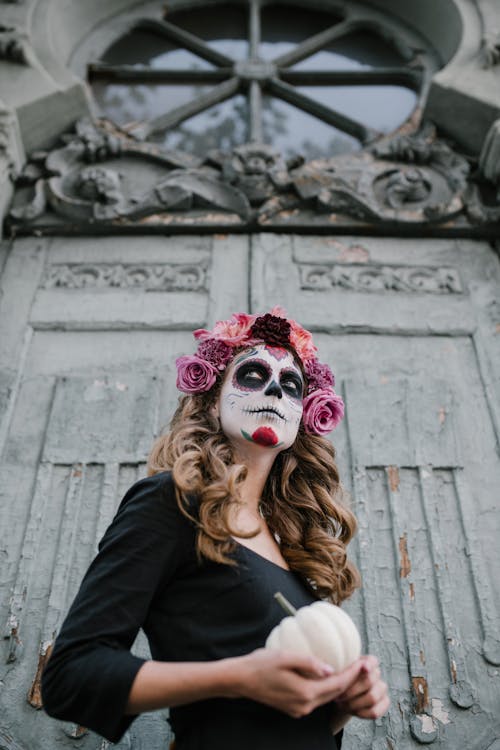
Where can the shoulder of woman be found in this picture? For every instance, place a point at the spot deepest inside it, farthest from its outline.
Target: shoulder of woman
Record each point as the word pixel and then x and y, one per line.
pixel 152 501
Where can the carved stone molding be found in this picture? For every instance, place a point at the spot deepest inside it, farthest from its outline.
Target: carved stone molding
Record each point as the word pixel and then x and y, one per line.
pixel 158 277
pixel 489 159
pixel 101 178
pixel 380 278
pixel 14 46
pixel 490 50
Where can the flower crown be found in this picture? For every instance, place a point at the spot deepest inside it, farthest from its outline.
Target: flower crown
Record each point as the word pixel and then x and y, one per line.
pixel 197 373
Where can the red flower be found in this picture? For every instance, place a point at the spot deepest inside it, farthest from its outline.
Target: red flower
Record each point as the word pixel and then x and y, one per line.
pixel 271 329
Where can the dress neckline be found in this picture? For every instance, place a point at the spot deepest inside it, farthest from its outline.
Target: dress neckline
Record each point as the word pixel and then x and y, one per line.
pixel 257 554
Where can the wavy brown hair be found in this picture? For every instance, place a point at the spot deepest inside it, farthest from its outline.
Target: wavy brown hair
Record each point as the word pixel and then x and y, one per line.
pixel 301 500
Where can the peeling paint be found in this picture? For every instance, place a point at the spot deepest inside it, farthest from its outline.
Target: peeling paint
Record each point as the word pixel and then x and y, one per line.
pixel 405 568
pixel 34 696
pixel 422 657
pixel 393 474
pixel 427 724
pixel 14 640
pixel 439 712
pixel 453 667
pixel 442 415
pixel 412 591
pixel 421 693
pixel 121 386
pixel 354 254
pixel 75 731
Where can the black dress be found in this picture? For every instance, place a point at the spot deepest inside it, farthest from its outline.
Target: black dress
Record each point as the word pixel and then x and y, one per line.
pixel 146 575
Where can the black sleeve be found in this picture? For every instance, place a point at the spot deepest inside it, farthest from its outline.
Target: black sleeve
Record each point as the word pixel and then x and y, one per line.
pixel 88 677
pixel 338 739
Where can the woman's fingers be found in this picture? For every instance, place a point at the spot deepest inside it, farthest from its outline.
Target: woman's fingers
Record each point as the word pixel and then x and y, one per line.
pixel 376 711
pixel 365 682
pixel 368 699
pixel 297 684
pixel 306 666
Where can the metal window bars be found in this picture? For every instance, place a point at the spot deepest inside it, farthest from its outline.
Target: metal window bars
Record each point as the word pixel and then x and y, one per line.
pixel 255 75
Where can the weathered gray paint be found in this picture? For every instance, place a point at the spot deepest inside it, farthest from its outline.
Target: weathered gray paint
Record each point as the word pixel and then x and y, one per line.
pixel 90 327
pixel 419 370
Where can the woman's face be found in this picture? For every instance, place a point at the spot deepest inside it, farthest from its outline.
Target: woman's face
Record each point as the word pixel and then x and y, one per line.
pixel 260 401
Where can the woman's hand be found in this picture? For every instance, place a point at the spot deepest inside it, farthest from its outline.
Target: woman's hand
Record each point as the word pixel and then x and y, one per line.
pixel 366 697
pixel 292 683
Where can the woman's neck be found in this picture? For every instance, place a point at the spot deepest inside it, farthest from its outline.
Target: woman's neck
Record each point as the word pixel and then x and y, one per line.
pixel 259 465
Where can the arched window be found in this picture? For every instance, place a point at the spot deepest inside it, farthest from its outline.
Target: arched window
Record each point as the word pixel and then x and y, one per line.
pixel 301 78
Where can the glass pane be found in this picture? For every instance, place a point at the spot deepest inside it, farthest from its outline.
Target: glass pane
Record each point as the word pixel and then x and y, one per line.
pixel 223 27
pixel 125 103
pixel 283 27
pixel 222 126
pixel 362 49
pixel 144 49
pixel 292 131
pixel 381 107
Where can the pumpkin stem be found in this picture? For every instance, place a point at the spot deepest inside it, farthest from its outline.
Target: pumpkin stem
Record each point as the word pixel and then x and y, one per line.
pixel 283 601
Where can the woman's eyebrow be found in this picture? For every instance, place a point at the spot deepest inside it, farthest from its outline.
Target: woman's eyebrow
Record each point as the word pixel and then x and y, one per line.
pixel 292 370
pixel 244 356
pixel 258 361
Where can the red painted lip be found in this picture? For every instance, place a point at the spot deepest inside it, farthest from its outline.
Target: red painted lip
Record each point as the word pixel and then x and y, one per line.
pixel 265 436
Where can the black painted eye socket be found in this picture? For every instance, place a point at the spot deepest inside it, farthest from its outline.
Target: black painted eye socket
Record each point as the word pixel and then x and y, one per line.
pixel 252 375
pixel 292 385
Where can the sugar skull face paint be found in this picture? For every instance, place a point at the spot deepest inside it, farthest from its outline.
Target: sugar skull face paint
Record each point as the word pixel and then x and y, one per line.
pixel 261 398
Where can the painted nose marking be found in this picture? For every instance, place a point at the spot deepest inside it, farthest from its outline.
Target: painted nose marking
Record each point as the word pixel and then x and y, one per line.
pixel 273 389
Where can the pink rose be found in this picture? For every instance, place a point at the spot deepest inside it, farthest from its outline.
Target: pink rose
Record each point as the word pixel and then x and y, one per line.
pixel 234 331
pixel 323 410
pixel 194 375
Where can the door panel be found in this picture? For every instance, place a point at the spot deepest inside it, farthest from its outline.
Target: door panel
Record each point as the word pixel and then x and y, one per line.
pixel 89 332
pixel 95 383
pixel 416 359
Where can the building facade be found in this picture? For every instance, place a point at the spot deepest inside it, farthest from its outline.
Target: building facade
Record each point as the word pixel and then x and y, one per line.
pixel 161 168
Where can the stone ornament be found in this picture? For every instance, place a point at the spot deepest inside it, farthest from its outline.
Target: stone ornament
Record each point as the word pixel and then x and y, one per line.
pixel 101 177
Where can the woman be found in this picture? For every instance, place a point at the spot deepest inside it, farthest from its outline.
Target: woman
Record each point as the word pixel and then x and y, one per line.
pixel 241 502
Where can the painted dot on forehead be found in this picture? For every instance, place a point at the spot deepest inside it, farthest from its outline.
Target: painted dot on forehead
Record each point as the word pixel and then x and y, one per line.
pixel 277 352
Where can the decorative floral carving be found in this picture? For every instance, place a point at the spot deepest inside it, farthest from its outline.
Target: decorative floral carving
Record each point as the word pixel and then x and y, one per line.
pixel 13 46
pixel 101 175
pixel 101 186
pixel 406 186
pixel 425 149
pixel 256 169
pixel 376 278
pixel 158 277
pixel 490 50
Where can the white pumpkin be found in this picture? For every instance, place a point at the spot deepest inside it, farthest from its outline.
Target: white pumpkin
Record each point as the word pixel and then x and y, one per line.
pixel 319 629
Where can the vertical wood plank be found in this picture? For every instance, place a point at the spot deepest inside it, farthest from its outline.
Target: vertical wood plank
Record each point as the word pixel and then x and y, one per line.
pixel 461 690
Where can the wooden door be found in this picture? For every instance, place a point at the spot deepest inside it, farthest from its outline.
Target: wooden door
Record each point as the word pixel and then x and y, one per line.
pixel 89 331
pixel 411 328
